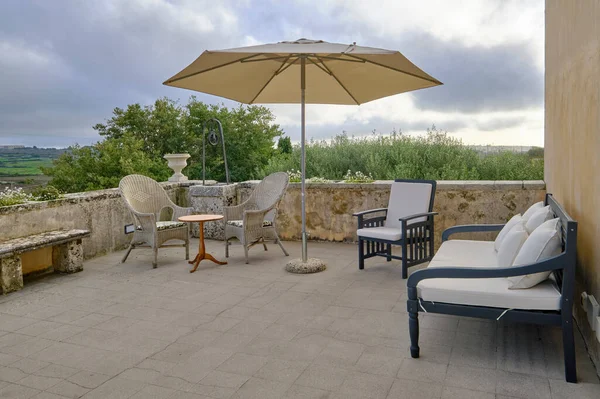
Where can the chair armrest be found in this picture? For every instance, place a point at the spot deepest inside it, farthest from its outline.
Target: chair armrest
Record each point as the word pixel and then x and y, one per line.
pixel 369 211
pixel 254 218
pixel 146 220
pixel 417 215
pixel 362 221
pixel 235 212
pixel 555 263
pixel 470 228
pixel 179 211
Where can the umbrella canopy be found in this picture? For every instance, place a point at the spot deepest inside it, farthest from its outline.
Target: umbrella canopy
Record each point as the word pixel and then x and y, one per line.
pixel 270 73
pixel 303 71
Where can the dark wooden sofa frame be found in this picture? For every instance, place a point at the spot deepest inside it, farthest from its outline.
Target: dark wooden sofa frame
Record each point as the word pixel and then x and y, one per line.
pixel 562 266
pixel 416 249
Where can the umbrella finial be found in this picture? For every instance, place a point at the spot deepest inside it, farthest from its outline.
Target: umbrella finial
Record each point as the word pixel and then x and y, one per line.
pixel 304 40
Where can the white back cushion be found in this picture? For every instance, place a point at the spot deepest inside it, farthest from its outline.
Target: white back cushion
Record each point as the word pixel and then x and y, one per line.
pixel 511 244
pixel 543 243
pixel 532 209
pixel 509 225
pixel 540 216
pixel 407 199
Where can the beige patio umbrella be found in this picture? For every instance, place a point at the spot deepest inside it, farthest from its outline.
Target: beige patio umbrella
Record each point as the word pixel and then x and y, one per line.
pixel 306 72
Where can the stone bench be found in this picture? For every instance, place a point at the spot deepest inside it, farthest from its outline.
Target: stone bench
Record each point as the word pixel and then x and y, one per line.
pixel 67 255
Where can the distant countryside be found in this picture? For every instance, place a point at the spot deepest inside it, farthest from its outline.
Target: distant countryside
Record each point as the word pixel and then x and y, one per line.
pixel 21 166
pixel 135 139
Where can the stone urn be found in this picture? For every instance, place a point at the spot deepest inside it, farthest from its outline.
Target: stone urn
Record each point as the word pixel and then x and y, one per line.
pixel 177 162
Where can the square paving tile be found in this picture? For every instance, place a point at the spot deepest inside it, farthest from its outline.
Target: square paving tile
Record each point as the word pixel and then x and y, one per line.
pixel 255 331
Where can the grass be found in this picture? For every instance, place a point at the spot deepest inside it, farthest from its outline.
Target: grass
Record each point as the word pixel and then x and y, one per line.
pixel 23 167
pixel 26 161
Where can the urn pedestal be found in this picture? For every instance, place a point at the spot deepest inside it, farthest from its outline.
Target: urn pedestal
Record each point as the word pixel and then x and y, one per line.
pixel 177 162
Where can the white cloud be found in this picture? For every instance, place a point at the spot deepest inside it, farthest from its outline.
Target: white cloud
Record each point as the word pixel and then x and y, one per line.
pixel 67 71
pixel 475 24
pixel 525 127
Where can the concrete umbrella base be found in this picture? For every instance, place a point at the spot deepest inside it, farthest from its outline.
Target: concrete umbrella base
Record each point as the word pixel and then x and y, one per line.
pixel 312 265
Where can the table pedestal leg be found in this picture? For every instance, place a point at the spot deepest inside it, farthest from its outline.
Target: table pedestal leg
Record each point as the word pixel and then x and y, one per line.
pixel 202 251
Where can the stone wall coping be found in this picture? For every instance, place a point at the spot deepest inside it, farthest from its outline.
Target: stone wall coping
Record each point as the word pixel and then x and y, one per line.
pixel 74 198
pixel 88 196
pixel 214 190
pixel 485 185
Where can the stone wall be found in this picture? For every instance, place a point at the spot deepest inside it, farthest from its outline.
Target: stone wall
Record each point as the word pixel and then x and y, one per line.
pixel 103 212
pixel 572 135
pixel 211 200
pixel 329 207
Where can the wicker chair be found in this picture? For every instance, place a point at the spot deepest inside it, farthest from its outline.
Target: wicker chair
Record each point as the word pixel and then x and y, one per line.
pixel 148 201
pixel 253 221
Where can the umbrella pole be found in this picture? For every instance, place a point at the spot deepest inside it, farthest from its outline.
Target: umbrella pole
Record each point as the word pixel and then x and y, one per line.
pixel 303 158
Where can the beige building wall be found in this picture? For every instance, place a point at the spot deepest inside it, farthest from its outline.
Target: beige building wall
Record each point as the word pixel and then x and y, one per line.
pixel 572 134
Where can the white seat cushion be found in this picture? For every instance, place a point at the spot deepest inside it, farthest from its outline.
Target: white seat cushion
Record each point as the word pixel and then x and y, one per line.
pixel 240 223
pixel 382 233
pixel 167 225
pixel 466 253
pixel 492 292
pixel 407 199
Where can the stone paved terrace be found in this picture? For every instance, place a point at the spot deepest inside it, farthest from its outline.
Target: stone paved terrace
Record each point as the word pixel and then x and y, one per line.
pixel 254 331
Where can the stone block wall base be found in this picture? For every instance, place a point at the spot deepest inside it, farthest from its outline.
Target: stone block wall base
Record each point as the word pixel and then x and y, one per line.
pixel 212 200
pixel 11 274
pixel 68 258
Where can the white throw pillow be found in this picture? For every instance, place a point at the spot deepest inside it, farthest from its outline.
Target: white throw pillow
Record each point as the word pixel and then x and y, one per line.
pixel 511 244
pixel 542 244
pixel 533 209
pixel 539 217
pixel 550 224
pixel 509 225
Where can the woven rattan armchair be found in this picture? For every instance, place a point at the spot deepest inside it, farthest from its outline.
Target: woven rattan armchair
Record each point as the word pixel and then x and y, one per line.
pixel 148 201
pixel 253 221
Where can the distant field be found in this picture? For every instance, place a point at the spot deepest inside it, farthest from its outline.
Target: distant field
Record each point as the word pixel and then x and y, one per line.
pixel 15 166
pixel 21 167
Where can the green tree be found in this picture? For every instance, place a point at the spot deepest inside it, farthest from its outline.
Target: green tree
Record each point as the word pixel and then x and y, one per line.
pixel 161 126
pixel 136 138
pixel 284 145
pixel 102 165
pixel 249 138
pixel 536 152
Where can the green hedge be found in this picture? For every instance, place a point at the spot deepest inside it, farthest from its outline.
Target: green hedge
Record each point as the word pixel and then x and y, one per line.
pixel 434 156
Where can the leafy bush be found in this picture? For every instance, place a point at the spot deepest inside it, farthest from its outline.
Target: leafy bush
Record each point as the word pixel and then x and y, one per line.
pixel 436 156
pixel 536 152
pixel 357 177
pixel 318 180
pixel 15 196
pixel 46 193
pixel 296 177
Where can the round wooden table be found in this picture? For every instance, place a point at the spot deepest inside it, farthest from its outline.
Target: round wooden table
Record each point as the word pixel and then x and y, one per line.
pixel 202 254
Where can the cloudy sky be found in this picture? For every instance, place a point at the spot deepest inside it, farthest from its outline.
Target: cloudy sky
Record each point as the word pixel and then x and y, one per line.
pixel 66 64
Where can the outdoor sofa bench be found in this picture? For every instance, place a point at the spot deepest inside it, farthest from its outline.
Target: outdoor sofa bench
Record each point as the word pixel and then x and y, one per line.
pixel 67 255
pixel 479 288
